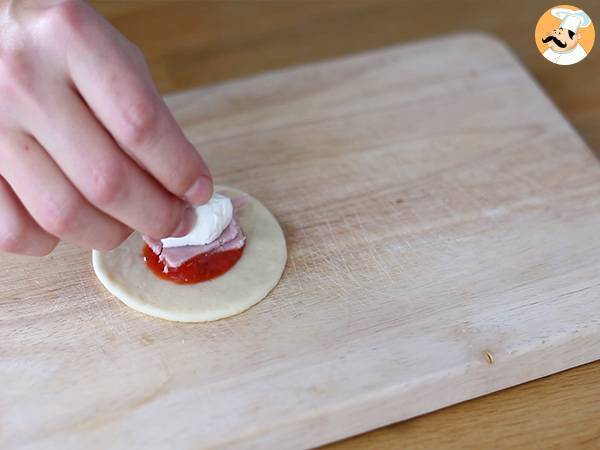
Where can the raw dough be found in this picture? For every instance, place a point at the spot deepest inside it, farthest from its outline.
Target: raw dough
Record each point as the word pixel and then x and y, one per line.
pixel 123 272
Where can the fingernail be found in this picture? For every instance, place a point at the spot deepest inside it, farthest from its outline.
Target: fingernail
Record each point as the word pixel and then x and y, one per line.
pixel 200 192
pixel 187 222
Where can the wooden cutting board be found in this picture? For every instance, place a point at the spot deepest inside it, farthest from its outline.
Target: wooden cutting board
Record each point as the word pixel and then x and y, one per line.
pixel 442 220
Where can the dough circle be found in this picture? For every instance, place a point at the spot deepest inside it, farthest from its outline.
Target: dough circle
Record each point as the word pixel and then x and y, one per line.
pixel 123 272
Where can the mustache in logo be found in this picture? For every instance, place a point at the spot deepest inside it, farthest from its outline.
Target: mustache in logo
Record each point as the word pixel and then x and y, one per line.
pixel 556 41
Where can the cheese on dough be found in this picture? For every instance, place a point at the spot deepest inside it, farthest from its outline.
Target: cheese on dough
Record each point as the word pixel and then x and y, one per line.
pixel 124 273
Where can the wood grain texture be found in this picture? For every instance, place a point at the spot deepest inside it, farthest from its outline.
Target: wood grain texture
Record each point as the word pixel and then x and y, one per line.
pixel 195 42
pixel 442 242
pixel 253 36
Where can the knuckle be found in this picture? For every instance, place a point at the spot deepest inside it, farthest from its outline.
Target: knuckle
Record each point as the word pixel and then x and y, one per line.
pixel 68 16
pixel 16 72
pixel 107 181
pixel 59 217
pixel 140 121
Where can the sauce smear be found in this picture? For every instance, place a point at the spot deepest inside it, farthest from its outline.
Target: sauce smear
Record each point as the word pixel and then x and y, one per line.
pixel 203 267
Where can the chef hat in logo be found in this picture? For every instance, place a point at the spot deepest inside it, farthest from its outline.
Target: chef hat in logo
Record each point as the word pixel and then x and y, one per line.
pixel 571 19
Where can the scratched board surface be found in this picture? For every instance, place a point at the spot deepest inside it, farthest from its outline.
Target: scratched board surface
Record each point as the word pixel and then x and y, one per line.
pixel 442 222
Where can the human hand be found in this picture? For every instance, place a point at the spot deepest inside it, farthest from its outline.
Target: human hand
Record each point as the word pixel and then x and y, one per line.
pixel 88 149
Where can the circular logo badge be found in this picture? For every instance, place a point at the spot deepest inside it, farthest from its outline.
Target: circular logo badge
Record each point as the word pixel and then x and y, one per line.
pixel 565 35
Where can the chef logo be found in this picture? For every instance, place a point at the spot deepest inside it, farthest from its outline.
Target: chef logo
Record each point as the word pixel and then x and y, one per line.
pixel 564 35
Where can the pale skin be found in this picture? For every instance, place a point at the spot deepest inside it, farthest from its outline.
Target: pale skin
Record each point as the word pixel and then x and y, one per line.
pixel 88 149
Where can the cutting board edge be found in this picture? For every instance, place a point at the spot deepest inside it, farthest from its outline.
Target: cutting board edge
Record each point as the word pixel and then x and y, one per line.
pixel 337 424
pixel 488 39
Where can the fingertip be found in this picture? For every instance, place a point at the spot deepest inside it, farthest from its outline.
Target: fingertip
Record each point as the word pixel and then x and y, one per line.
pixel 187 222
pixel 41 244
pixel 51 244
pixel 200 192
pixel 118 237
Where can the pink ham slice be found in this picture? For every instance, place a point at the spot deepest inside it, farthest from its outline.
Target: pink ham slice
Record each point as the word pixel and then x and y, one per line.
pixel 232 238
pixel 154 244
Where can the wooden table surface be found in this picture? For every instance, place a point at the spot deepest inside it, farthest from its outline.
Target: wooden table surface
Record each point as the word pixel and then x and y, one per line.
pixel 192 43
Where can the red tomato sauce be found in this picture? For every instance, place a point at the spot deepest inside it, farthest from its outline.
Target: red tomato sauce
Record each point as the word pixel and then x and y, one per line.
pixel 203 267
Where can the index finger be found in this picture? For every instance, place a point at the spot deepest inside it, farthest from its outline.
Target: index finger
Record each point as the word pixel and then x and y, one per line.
pixel 112 77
